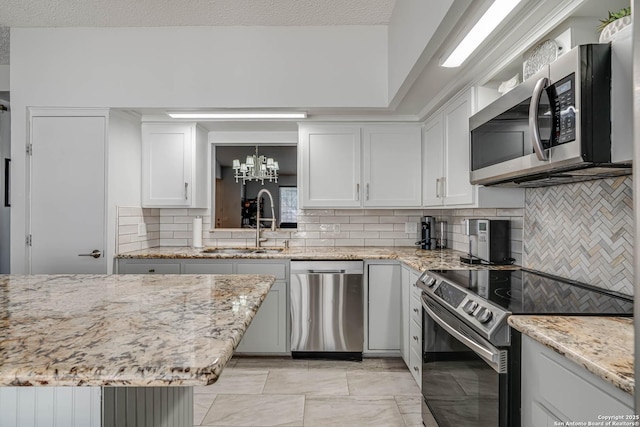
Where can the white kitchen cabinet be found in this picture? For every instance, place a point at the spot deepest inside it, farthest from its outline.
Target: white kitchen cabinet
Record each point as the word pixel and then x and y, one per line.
pixel 351 166
pixel 555 389
pixel 383 307
pixel 411 324
pixel 267 333
pixel 330 166
pixel 445 179
pixel 392 166
pixel 174 165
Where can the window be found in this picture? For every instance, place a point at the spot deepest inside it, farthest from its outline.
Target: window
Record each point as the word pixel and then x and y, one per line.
pixel 288 207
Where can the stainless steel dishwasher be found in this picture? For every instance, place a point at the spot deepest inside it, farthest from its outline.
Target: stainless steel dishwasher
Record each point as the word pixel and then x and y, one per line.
pixel 327 309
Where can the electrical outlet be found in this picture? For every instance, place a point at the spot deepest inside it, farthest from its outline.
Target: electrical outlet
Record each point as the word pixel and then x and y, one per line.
pixel 336 228
pixel 411 227
pixel 142 229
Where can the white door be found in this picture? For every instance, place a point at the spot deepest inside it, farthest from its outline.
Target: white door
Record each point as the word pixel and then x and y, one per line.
pixel 392 166
pixel 67 194
pixel 330 166
pixel 457 187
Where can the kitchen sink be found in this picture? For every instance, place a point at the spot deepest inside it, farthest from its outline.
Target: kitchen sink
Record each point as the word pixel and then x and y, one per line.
pixel 233 251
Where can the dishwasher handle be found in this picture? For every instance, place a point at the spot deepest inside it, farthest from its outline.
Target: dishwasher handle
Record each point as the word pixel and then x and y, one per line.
pixel 326 271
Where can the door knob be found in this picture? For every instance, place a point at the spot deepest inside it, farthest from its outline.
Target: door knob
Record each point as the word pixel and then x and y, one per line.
pixel 95 253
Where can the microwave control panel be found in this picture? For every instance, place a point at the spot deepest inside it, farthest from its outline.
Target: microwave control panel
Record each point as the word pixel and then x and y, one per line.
pixel 564 123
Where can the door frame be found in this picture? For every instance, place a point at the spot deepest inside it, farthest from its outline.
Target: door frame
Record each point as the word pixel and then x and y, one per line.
pixel 33 112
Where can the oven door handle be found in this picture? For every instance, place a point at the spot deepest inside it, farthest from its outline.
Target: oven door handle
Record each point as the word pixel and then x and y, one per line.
pixel 492 356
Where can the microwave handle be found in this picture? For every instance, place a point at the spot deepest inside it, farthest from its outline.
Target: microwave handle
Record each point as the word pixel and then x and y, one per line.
pixel 533 119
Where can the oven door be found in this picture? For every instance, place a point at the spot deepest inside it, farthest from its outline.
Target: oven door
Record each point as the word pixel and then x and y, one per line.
pixel 464 377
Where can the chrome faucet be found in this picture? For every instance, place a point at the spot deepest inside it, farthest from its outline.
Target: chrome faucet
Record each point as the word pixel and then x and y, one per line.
pixel 273 215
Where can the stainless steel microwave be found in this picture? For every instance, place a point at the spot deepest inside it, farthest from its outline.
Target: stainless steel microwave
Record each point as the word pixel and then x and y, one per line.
pixel 553 128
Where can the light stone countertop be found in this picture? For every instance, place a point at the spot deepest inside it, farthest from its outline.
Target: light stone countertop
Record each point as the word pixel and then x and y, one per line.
pixel 123 330
pixel 602 345
pixel 418 259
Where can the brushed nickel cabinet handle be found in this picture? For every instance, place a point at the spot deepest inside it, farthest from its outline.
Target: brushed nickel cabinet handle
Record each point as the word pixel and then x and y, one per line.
pixel 186 191
pixel 95 254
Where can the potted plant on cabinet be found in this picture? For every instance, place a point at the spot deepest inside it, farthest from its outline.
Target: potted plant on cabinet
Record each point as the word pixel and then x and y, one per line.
pixel 615 22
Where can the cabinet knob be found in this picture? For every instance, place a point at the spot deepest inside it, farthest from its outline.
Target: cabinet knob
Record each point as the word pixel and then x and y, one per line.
pixel 152 270
pixel 415 368
pixel 415 310
pixel 415 338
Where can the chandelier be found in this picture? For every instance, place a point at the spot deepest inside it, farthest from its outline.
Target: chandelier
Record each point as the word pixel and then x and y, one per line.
pixel 256 168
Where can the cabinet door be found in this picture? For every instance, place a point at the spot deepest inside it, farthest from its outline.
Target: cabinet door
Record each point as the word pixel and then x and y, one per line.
pixel 392 166
pixel 457 188
pixel 330 166
pixel 384 307
pixel 166 164
pixel 267 333
pixel 432 158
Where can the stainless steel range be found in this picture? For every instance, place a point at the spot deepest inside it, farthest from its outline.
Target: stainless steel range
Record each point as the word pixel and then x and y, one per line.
pixel 471 357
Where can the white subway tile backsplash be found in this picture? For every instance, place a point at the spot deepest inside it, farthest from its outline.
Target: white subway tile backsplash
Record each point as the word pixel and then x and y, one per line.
pixel 364 220
pixel 174 212
pixel 349 212
pixel 378 242
pixel 378 227
pixel 334 219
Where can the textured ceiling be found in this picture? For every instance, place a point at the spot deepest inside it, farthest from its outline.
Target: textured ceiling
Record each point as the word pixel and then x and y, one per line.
pixel 150 13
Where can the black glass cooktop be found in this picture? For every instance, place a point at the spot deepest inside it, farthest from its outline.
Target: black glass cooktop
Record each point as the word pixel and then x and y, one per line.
pixel 530 292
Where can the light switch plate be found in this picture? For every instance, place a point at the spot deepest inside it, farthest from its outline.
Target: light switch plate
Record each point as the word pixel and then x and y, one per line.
pixel 142 229
pixel 411 227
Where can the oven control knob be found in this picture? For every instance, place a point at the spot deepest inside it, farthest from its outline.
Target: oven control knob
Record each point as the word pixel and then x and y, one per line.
pixel 470 307
pixel 431 281
pixel 484 315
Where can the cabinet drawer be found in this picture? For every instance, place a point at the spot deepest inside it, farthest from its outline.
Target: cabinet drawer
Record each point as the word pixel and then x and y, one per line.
pixel 207 268
pixel 416 309
pixel 278 270
pixel 415 366
pixel 152 268
pixel 415 337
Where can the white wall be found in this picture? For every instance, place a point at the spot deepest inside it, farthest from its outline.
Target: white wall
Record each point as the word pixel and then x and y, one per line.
pixel 187 67
pixel 412 25
pixel 124 172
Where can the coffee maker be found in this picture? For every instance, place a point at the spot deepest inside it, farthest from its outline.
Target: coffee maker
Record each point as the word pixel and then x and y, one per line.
pixel 488 242
pixel 428 233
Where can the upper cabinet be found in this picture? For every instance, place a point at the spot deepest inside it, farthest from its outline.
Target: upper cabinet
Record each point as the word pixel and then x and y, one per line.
pixel 392 166
pixel 445 151
pixel 360 166
pixel 174 165
pixel 330 169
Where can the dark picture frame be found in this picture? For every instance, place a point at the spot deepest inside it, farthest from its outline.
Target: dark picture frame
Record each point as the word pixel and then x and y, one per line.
pixel 7 182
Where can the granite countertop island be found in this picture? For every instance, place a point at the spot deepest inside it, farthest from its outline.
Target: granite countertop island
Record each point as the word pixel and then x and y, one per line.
pixel 418 259
pixel 602 345
pixel 123 330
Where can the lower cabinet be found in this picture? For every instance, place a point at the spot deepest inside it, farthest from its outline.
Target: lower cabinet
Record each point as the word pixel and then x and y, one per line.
pixel 556 390
pixel 383 308
pixel 268 333
pixel 411 327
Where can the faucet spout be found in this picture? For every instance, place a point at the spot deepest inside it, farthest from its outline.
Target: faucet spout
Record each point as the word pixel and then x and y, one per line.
pixel 273 215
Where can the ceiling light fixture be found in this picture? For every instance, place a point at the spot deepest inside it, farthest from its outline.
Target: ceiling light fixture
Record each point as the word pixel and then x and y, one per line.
pixel 485 25
pixel 256 168
pixel 239 115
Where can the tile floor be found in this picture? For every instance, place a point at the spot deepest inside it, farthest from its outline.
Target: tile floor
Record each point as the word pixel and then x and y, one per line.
pixel 287 392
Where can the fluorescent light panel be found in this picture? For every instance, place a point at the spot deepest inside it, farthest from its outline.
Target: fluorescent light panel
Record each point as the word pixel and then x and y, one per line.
pixel 485 25
pixel 289 115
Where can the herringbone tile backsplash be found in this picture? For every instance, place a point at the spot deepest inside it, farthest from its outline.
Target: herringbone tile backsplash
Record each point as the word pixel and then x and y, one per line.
pixel 582 231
